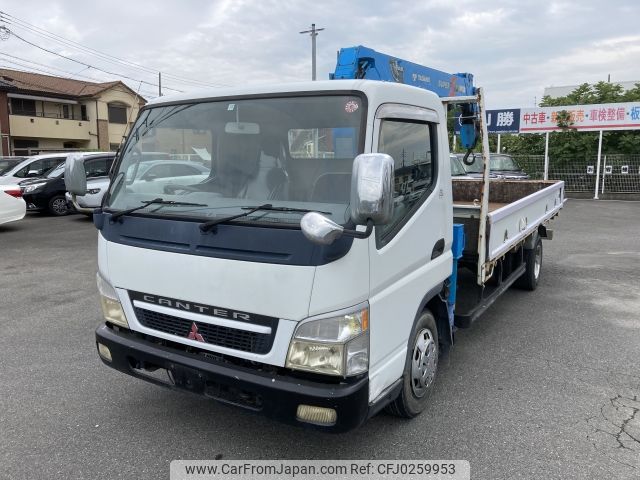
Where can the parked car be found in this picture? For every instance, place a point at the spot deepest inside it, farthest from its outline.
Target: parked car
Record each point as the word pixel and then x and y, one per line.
pixel 48 192
pixel 12 206
pixel 8 163
pixel 97 167
pixel 149 175
pixel 500 166
pixel 32 167
pixel 153 176
pixel 457 169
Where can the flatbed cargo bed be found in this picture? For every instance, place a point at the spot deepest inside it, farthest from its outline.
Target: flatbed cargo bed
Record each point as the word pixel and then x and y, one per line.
pixel 516 209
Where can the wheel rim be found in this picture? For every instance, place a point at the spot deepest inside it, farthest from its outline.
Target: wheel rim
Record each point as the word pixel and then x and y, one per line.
pixel 424 362
pixel 59 206
pixel 537 261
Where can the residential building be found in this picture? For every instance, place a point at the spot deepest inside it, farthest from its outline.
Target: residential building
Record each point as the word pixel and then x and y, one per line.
pixel 42 113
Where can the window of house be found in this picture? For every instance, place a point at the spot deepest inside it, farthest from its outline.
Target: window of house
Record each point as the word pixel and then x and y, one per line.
pixel 410 146
pixel 117 114
pixel 83 113
pixel 22 106
pixel 65 111
pixel 114 147
pixel 21 147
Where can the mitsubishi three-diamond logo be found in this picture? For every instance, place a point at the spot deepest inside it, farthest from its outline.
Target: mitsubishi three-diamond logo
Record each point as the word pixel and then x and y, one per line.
pixel 194 335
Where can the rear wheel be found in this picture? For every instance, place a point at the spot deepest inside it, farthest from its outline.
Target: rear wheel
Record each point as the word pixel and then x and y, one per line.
pixel 58 206
pixel 420 368
pixel 533 261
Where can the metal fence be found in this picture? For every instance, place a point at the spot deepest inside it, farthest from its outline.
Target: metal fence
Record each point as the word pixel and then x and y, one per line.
pixel 619 174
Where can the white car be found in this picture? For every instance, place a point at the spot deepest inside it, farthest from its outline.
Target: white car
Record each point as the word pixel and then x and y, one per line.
pixel 12 205
pixel 32 167
pixel 97 166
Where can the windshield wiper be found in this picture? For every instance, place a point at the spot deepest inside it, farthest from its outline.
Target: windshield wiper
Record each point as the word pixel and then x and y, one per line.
pixel 155 201
pixel 284 209
pixel 205 227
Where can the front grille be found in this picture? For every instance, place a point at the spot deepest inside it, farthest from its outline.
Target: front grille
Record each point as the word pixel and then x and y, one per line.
pixel 235 339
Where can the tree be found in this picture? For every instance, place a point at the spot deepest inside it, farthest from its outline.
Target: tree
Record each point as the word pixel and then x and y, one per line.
pixel 570 143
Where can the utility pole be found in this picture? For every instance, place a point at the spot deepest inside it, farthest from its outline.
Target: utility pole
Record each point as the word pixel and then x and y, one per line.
pixel 314 33
pixel 159 84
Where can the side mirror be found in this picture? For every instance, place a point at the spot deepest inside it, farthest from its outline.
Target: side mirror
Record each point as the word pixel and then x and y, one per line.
pixel 372 189
pixel 319 229
pixel 371 201
pixel 75 177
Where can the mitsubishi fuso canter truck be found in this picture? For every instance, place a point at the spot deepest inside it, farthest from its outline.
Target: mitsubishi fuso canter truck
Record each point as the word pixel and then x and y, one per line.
pixel 309 256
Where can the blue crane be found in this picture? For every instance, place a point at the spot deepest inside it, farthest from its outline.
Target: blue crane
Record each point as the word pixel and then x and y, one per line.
pixel 362 62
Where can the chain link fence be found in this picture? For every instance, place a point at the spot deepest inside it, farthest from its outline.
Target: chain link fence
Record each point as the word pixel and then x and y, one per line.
pixel 619 174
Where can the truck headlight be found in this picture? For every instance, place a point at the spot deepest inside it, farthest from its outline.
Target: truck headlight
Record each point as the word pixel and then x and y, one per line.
pixel 336 345
pixel 111 307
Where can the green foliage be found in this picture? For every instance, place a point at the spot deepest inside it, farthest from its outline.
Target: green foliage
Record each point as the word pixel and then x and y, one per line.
pixel 571 143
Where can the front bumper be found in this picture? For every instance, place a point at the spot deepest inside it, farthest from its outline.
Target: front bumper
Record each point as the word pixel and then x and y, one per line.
pixel 36 201
pixel 270 394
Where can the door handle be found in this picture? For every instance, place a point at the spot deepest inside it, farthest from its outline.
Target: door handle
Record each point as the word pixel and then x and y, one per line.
pixel 438 249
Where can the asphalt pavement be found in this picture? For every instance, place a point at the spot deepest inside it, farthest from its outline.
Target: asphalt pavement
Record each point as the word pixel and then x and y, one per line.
pixel 545 385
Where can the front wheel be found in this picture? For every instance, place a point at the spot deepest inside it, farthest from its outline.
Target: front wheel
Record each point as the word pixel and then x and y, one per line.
pixel 420 368
pixel 58 206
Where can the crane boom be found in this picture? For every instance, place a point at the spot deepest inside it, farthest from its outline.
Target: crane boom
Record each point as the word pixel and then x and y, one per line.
pixel 366 63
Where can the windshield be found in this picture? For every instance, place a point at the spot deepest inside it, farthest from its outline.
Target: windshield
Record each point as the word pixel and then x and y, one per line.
pixel 456 167
pixel 55 172
pixel 7 164
pixel 294 152
pixel 504 163
pixel 496 163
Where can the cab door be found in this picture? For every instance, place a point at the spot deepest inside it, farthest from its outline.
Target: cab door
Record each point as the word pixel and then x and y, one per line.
pixel 410 256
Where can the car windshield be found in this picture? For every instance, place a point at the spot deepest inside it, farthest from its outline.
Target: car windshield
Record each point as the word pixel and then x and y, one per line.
pixel 55 172
pixel 294 152
pixel 504 163
pixel 7 164
pixel 496 163
pixel 456 167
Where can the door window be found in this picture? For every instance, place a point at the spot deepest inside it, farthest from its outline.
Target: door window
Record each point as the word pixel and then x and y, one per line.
pixel 411 147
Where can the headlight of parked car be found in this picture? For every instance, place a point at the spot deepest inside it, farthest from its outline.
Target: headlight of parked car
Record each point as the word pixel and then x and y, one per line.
pixel 33 187
pixel 333 345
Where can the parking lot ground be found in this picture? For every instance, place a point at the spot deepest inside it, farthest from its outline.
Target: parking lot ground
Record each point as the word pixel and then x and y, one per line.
pixel 545 385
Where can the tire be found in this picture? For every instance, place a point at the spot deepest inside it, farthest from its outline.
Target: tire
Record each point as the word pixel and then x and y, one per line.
pixel 420 369
pixel 58 206
pixel 533 261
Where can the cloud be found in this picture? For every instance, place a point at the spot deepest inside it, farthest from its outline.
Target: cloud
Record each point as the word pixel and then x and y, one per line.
pixel 514 48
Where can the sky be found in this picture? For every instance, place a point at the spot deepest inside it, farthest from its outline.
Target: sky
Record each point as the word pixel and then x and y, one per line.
pixel 513 48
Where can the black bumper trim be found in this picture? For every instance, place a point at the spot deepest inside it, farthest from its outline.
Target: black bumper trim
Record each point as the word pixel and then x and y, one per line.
pixel 273 395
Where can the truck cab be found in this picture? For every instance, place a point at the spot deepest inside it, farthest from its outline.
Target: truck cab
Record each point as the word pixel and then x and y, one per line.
pixel 306 274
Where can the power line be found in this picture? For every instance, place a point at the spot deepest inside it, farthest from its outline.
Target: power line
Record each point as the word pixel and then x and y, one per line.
pixel 38 88
pixel 84 63
pixel 50 68
pixel 8 18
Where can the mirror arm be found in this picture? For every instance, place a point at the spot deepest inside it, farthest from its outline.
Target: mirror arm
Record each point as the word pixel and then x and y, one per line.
pixel 357 234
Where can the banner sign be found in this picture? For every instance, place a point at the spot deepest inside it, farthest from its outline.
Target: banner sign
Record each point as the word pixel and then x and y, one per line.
pixel 604 116
pixel 499 121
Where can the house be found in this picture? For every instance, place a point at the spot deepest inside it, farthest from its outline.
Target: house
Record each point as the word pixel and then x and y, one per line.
pixel 40 113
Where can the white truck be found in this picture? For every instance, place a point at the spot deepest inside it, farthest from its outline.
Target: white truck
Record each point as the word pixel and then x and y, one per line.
pixel 310 277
